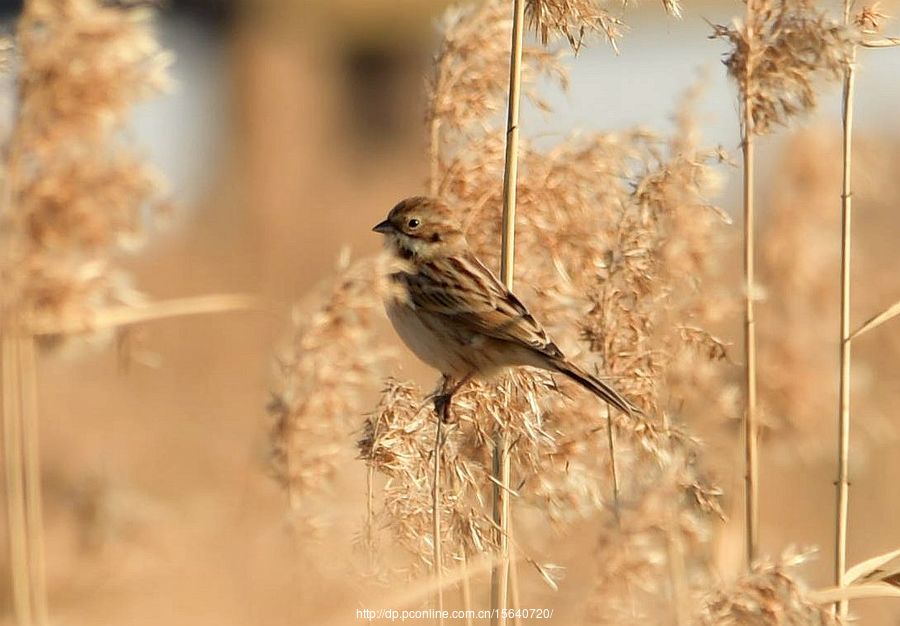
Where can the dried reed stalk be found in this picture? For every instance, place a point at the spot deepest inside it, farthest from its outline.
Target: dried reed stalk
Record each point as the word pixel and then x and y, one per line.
pixel 22 573
pixel 868 23
pixel 33 494
pixel 23 475
pixel 778 50
pixel 751 428
pixel 370 517
pixel 436 516
pixel 613 465
pixel 434 124
pixel 843 479
pixel 501 456
pixel 128 315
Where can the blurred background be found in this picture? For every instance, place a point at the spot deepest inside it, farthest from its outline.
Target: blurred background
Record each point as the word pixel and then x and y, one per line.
pixel 294 126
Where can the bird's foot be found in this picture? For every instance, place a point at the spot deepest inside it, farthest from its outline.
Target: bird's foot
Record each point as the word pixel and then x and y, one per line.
pixel 442 408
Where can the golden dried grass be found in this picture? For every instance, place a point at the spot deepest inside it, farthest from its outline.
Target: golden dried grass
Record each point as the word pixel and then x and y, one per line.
pixel 633 207
pixel 75 190
pixel 618 243
pixel 74 193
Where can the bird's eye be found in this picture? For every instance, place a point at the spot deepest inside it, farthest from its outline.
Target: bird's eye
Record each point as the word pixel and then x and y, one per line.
pixel 413 223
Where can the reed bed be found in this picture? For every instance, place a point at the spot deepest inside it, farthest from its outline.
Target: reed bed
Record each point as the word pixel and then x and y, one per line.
pixel 617 241
pixel 76 195
pixel 73 193
pixel 634 209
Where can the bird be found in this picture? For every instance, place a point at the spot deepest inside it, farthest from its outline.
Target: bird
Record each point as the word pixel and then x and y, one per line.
pixel 455 315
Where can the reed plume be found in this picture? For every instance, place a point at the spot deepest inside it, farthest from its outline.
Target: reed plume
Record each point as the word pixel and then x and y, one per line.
pixel 770 593
pixel 75 192
pixel 332 349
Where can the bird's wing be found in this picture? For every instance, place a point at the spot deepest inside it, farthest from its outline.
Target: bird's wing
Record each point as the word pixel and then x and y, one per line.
pixel 466 293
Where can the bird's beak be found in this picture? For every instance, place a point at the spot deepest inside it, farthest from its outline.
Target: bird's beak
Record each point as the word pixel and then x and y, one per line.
pixel 384 227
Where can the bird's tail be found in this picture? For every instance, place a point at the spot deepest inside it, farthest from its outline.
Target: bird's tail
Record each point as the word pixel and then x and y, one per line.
pixel 596 386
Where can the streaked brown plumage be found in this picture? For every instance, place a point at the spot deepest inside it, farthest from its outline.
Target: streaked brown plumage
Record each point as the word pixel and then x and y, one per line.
pixel 454 314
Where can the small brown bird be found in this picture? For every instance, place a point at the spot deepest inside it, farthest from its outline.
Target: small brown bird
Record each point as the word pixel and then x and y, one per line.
pixel 454 314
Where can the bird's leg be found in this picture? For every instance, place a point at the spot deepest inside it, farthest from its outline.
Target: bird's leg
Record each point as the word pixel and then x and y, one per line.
pixel 444 398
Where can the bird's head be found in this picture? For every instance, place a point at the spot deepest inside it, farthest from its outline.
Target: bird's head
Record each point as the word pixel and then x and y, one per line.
pixel 421 228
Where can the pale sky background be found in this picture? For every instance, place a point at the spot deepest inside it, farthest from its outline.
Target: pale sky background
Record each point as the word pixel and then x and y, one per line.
pixel 659 57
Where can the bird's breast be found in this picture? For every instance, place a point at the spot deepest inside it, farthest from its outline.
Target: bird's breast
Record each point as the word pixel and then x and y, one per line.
pixel 418 336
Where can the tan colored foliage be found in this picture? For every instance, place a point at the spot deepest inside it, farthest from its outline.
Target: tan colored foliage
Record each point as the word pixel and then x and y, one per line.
pixel 779 54
pixel 76 193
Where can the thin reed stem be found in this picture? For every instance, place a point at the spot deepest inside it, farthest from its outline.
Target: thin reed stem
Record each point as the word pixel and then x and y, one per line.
pixel 370 517
pixel 434 145
pixel 613 464
pixel 511 163
pixel 32 474
pixel 843 479
pixel 436 517
pixel 751 428
pixel 611 441
pixel 501 461
pixel 434 124
pixel 500 498
pixel 434 156
pixel 127 315
pixel 15 483
pixel 13 455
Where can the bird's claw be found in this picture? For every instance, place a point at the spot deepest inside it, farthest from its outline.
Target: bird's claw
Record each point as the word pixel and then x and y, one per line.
pixel 442 408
